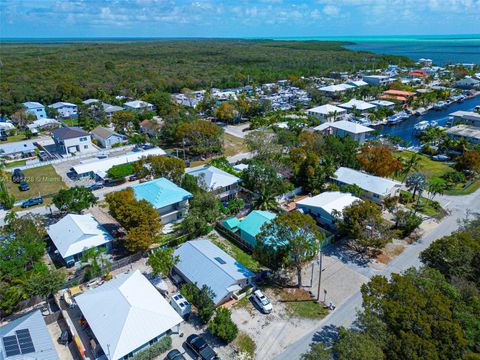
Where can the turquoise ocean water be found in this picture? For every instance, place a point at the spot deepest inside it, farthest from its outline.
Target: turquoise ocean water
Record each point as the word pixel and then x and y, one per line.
pixel 442 49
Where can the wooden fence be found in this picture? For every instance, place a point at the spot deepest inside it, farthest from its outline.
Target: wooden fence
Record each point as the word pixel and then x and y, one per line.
pixel 237 240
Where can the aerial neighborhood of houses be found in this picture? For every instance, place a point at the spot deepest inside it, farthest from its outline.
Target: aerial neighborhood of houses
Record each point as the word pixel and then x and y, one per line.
pixel 159 219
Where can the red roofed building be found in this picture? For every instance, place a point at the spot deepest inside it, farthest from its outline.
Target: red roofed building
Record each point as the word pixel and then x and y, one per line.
pixel 419 73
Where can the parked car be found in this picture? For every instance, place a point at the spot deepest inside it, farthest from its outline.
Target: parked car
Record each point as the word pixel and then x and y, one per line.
pixel 18 176
pixel 175 355
pixel 43 156
pixel 3 137
pixel 24 186
pixel 200 347
pixel 441 157
pixel 132 178
pixel 113 182
pixel 96 186
pixel 32 202
pixel 65 338
pixel 262 301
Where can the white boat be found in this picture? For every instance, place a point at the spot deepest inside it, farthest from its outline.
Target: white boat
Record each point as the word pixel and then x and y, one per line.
pixel 440 105
pixel 422 125
pixel 421 111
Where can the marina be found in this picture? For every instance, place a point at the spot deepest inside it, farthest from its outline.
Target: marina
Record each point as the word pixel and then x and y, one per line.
pixel 406 129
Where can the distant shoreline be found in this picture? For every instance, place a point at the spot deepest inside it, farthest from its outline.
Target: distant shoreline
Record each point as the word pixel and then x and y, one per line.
pixel 355 39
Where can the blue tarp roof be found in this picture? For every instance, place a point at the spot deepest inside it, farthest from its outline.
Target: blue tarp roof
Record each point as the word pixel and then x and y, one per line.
pixel 160 193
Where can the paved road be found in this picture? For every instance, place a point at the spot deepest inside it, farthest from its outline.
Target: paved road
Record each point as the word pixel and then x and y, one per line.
pixel 344 314
pixel 44 210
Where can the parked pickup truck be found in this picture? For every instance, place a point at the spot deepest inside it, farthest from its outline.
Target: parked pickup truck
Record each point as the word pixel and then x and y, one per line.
pixel 200 347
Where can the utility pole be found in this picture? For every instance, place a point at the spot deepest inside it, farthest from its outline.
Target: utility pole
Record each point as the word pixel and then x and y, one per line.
pixel 319 274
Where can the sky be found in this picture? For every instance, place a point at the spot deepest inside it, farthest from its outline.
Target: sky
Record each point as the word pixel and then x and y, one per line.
pixel 236 18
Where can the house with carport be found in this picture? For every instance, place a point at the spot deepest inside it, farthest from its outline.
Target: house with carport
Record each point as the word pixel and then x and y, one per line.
pixel 374 188
pixel 127 315
pixel 203 263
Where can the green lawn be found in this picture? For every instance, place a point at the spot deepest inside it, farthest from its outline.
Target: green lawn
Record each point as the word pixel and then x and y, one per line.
pixel 233 145
pixel 14 138
pixel 300 305
pixel 238 254
pixel 245 344
pixel 16 163
pixel 43 180
pixel 427 166
pixel 431 168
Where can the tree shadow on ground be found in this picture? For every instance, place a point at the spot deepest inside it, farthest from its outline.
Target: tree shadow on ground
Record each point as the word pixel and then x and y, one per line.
pixel 328 335
pixel 346 254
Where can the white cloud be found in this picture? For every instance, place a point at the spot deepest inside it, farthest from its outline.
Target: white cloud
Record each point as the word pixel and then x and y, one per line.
pixel 331 10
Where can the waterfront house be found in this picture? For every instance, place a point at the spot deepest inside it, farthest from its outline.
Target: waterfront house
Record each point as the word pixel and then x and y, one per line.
pixel 35 108
pixel 343 128
pixel 466 117
pixel 467 83
pixel 65 109
pixel 17 150
pixel 326 207
pixel 327 113
pixel 127 315
pixel 170 200
pixel 399 95
pixel 72 140
pixel 374 188
pixel 138 106
pixel 225 186
pixel 107 138
pixel 27 338
pixel 468 132
pixel 383 103
pixel 74 234
pixel 357 105
pixel 203 263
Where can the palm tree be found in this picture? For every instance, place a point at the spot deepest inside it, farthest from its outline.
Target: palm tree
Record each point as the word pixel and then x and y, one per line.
pixel 416 183
pixel 409 165
pixel 436 187
pixel 266 201
pixel 97 260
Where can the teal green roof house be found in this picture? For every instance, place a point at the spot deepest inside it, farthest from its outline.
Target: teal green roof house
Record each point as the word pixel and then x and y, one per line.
pixel 252 224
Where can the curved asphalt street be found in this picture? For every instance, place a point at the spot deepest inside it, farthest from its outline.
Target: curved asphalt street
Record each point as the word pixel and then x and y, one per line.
pixel 458 208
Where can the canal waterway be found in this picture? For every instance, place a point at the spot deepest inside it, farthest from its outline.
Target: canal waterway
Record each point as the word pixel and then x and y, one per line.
pixel 406 131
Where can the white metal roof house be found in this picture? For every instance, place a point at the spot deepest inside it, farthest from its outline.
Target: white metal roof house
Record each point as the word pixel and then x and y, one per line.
pixel 326 206
pixel 74 234
pixel 106 137
pixel 17 150
pixel 375 188
pixel 127 315
pixel 65 109
pixel 204 263
pixel 345 128
pixel 327 113
pixel 99 168
pixel 383 103
pixel 138 105
pixel 224 185
pixel 358 105
pixel 27 338
pixel 43 123
pixel 336 89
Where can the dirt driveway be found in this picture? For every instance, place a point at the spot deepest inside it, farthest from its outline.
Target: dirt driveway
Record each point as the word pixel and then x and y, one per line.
pixel 274 332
